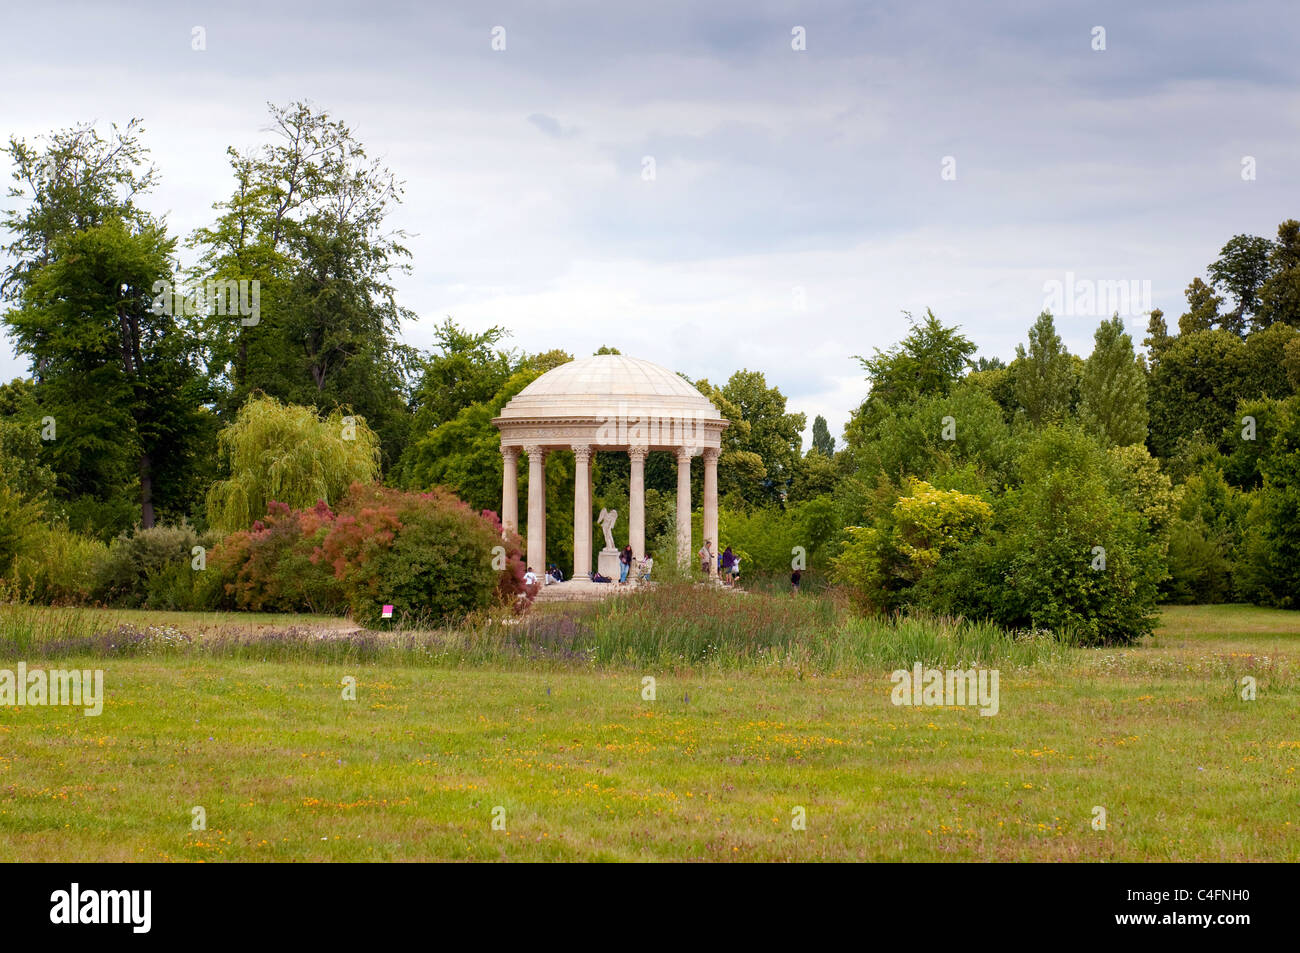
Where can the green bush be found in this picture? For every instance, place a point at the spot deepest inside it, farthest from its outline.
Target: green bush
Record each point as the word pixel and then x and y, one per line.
pixel 766 537
pixel 1200 570
pixel 178 587
pixel 20 525
pixel 1268 565
pixel 1205 535
pixel 1070 549
pixel 906 542
pixel 61 568
pixel 134 558
pixel 1075 556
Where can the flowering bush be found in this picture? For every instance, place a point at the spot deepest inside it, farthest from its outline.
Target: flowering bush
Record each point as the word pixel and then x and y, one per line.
pixel 427 554
pixel 272 567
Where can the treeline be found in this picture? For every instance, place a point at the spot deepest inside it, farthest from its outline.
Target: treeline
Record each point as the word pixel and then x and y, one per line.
pixel 1053 490
pixel 186 399
pixel 1073 493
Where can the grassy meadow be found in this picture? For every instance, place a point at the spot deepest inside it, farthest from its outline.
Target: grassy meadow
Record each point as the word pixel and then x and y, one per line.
pixel 763 706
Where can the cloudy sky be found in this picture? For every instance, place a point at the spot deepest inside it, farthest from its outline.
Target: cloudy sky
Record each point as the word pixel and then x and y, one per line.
pixel 799 202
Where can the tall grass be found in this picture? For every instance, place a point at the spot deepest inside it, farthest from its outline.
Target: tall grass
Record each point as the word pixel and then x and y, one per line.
pixel 34 630
pixel 678 625
pixel 696 625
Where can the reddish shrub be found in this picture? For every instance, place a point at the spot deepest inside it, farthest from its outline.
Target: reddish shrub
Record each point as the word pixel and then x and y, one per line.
pixel 428 554
pixel 270 567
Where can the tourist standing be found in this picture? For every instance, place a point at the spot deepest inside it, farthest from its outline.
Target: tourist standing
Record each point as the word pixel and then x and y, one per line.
pixel 624 563
pixel 728 564
pixel 706 556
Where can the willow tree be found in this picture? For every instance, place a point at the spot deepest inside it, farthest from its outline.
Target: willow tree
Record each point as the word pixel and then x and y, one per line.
pixel 287 453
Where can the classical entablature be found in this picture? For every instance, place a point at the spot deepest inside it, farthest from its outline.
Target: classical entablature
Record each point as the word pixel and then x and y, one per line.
pixel 608 402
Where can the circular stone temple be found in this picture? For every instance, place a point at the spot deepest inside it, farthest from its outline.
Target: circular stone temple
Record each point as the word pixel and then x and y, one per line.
pixel 608 402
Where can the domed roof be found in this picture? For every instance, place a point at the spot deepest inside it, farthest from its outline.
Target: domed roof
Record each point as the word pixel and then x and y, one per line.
pixel 609 385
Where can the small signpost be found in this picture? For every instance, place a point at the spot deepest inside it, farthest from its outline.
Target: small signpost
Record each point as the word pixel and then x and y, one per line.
pixel 386 613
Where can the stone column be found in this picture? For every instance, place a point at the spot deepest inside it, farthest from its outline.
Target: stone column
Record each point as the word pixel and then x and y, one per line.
pixel 581 511
pixel 711 504
pixel 536 509
pixel 510 489
pixel 636 502
pixel 684 506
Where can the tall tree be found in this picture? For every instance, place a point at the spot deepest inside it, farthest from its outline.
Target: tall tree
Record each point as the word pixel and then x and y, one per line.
pixel 1157 339
pixel 1241 270
pixel 761 448
pixel 117 375
pixel 1202 312
pixel 466 368
pixel 70 180
pixel 1114 388
pixel 1279 298
pixel 463 453
pixel 741 471
pixel 1044 374
pixel 928 361
pixel 1195 387
pixel 821 437
pixel 308 220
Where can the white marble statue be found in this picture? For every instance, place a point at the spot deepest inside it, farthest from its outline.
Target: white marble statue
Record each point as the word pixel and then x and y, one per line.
pixel 606 520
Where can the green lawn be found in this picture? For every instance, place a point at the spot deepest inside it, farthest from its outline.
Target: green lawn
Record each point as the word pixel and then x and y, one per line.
pixel 586 770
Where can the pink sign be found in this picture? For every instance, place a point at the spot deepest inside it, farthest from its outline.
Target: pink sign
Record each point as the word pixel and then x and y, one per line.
pixel 387 613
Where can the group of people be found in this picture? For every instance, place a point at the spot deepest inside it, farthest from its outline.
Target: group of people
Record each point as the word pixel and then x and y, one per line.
pixel 625 562
pixel 729 567
pixel 728 563
pixel 644 566
pixel 553 574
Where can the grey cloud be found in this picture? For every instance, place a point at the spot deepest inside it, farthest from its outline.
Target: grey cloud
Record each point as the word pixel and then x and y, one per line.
pixel 551 126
